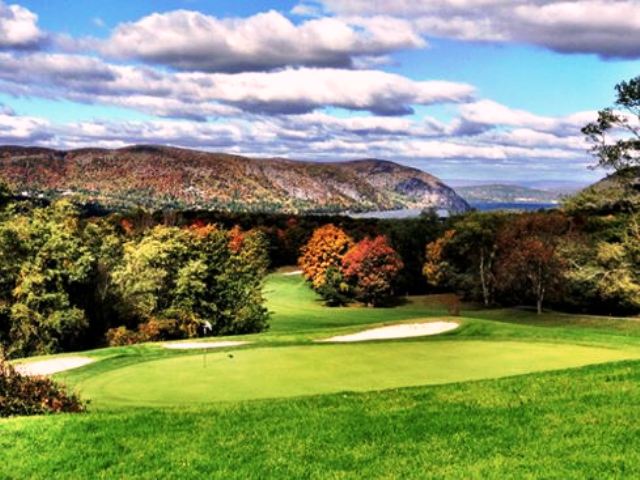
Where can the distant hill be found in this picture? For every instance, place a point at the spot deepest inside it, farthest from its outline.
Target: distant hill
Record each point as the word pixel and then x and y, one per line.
pixel 498 193
pixel 617 192
pixel 161 177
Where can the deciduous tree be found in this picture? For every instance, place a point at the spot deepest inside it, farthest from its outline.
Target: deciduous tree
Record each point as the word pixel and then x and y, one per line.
pixel 530 262
pixel 615 135
pixel 371 266
pixel 325 249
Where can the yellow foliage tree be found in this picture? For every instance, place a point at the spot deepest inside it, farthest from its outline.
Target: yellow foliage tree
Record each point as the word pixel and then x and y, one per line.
pixel 435 266
pixel 325 249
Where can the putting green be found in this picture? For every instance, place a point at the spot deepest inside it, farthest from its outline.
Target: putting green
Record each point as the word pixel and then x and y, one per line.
pixel 304 370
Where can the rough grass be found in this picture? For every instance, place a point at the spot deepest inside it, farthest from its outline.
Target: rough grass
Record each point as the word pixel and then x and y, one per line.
pixel 571 424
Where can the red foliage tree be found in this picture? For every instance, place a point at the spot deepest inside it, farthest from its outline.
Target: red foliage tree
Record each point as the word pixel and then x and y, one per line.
pixel 236 239
pixel 372 266
pixel 530 261
pixel 325 249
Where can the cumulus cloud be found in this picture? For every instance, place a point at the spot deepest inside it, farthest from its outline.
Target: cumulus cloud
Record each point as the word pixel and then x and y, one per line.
pixel 199 95
pixel 18 27
pixel 609 28
pixel 478 117
pixel 310 136
pixel 23 130
pixel 190 40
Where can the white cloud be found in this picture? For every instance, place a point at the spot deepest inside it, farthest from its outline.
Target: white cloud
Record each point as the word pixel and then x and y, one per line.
pixel 23 130
pixel 189 40
pixel 18 27
pixel 198 95
pixel 609 28
pixel 483 115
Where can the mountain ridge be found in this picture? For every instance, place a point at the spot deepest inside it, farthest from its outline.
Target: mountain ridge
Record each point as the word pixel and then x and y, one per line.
pixel 505 193
pixel 160 176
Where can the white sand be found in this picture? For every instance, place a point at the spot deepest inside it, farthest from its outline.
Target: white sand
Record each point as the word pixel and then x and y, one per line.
pixel 295 272
pixel 49 367
pixel 405 330
pixel 196 345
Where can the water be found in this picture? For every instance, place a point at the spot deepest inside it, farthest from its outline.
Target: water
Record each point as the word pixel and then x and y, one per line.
pixel 481 206
pixel 405 213
pixel 513 206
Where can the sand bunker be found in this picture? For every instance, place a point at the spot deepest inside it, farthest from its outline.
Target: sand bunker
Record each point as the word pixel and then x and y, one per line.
pixel 295 272
pixel 197 345
pixel 405 330
pixel 49 367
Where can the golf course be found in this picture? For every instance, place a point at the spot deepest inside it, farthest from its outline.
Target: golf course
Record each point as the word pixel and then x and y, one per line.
pixel 492 393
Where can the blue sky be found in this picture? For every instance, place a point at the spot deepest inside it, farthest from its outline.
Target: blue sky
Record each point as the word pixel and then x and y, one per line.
pixel 497 92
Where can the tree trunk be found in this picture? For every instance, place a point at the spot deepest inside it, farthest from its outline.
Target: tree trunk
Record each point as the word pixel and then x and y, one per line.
pixel 483 280
pixel 539 306
pixel 540 291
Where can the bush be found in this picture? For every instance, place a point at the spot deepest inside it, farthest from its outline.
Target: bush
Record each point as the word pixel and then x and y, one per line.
pixel 156 330
pixel 23 395
pixel 334 290
pixel 121 336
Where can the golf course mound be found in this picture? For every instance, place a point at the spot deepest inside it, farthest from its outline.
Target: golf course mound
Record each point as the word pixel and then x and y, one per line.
pixel 202 345
pixel 405 330
pixel 52 366
pixel 277 372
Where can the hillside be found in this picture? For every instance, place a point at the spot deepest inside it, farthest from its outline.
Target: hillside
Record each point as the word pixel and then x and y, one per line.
pixel 617 192
pixel 497 193
pixel 160 177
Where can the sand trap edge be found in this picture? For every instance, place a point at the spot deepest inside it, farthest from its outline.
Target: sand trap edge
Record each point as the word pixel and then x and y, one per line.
pixel 396 332
pixel 53 366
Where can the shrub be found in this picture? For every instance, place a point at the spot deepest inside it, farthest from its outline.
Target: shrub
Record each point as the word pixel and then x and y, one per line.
pixel 156 330
pixel 335 291
pixel 121 336
pixel 23 395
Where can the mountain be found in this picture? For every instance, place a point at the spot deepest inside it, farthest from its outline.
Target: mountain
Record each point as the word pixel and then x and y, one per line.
pixel 160 177
pixel 498 193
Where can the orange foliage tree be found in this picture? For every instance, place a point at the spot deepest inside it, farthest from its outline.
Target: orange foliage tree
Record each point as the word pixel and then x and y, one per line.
pixel 325 249
pixel 371 266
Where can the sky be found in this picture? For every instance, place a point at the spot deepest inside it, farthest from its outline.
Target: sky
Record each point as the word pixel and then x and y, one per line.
pixel 473 91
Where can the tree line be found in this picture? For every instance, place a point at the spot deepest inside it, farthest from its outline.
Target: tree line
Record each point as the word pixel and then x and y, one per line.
pixel 66 282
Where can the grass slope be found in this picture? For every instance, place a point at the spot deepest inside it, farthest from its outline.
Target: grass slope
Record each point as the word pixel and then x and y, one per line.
pixel 567 425
pixel 296 308
pixel 573 423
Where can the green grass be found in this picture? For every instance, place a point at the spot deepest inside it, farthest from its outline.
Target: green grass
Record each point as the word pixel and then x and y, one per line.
pixel 339 412
pixel 296 308
pixel 307 370
pixel 567 425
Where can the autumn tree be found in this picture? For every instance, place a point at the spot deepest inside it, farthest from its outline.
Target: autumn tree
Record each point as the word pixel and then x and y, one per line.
pixel 371 266
pixel 530 263
pixel 195 276
pixel 436 267
pixel 47 263
pixel 325 249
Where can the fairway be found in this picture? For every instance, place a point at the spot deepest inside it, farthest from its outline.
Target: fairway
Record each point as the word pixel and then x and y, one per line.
pixel 306 370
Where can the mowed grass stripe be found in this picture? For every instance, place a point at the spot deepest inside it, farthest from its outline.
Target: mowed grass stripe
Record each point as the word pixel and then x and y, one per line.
pixel 262 373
